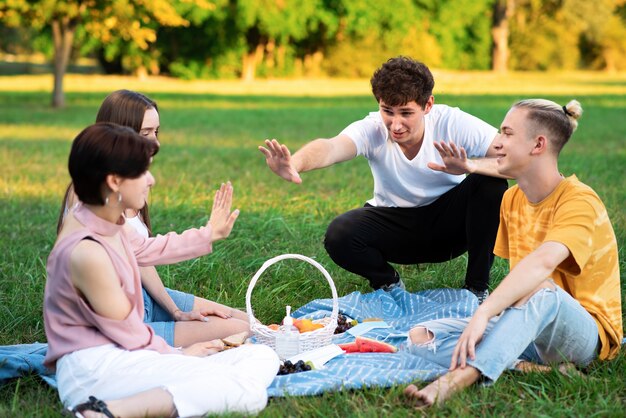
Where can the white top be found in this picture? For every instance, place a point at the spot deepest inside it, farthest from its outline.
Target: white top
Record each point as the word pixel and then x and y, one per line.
pixel 400 182
pixel 139 226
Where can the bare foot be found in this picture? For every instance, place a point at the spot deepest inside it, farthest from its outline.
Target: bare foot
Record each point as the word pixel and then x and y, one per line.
pixel 439 391
pixel 420 399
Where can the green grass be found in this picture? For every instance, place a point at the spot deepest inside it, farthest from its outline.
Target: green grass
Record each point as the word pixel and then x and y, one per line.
pixel 209 138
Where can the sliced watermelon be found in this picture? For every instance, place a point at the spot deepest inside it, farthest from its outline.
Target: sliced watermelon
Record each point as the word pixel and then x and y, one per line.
pixel 367 345
pixel 350 347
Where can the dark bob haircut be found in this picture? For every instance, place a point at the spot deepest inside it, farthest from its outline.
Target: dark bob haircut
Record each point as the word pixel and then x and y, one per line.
pixel 107 148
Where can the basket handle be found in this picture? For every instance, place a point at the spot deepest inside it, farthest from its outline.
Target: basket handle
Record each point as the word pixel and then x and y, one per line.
pixel 271 261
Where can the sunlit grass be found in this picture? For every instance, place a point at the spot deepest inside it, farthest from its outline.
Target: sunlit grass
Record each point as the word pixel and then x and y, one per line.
pixel 447 82
pixel 210 133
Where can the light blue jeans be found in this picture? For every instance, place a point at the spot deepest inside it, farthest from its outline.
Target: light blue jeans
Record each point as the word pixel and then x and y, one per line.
pixel 550 327
pixel 159 319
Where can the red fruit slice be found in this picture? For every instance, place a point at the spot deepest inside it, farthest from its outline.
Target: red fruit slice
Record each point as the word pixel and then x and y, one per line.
pixel 352 347
pixel 368 345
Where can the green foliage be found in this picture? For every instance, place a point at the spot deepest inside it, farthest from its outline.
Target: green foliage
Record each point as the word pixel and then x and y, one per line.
pixel 347 38
pixel 462 28
pixel 554 34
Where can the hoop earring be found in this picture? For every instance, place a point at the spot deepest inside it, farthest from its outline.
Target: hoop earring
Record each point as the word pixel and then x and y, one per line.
pixel 119 199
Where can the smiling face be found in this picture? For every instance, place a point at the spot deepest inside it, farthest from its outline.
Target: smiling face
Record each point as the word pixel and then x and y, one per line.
pixel 515 143
pixel 135 191
pixel 405 123
pixel 151 124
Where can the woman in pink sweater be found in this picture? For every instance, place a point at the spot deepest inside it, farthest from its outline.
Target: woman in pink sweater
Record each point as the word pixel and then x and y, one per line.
pixel 180 318
pixel 98 343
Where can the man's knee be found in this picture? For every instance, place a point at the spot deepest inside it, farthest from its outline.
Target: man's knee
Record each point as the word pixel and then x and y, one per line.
pixel 546 284
pixel 420 335
pixel 339 233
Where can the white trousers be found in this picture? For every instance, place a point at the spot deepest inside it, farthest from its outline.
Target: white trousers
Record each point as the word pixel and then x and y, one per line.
pixel 234 380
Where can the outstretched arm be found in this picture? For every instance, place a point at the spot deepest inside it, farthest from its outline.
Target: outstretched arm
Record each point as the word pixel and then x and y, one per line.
pixel 316 154
pixel 194 242
pixel 455 161
pixel 528 276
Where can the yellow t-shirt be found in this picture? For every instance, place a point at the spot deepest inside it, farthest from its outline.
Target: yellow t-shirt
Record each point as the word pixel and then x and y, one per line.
pixel 573 215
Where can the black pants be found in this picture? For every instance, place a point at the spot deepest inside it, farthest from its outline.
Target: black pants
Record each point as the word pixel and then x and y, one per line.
pixel 365 240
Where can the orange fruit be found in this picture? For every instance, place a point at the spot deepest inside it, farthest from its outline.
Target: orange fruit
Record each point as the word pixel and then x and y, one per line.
pixel 274 327
pixel 307 326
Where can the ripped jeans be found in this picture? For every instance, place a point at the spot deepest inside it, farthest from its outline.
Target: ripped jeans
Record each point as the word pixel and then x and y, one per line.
pixel 550 327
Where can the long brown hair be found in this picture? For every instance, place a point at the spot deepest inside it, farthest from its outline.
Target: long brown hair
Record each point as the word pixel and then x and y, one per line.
pixel 126 108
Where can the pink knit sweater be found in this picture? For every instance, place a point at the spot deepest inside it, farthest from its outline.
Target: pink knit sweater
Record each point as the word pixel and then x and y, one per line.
pixel 72 325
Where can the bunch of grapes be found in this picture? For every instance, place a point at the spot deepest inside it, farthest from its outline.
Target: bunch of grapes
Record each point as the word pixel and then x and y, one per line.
pixel 288 367
pixel 342 324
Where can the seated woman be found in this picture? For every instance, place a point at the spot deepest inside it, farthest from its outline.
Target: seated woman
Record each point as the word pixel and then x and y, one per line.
pixel 98 343
pixel 180 318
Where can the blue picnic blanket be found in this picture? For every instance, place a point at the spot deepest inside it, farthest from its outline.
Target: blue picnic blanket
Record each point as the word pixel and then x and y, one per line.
pixel 398 308
pixel 401 310
pixel 24 359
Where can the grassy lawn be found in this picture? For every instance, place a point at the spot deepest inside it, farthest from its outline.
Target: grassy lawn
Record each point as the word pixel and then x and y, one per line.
pixel 210 132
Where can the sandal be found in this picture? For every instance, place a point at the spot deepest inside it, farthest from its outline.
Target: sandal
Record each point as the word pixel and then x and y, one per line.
pixel 93 404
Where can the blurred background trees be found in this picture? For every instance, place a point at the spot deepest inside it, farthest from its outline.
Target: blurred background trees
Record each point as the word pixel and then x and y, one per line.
pixel 309 38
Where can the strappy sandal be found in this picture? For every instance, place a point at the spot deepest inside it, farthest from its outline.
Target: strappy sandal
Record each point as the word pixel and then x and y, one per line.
pixel 93 404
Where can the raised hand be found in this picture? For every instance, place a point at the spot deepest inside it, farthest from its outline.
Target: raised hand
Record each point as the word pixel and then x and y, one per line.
pixel 454 158
pixel 222 219
pixel 278 159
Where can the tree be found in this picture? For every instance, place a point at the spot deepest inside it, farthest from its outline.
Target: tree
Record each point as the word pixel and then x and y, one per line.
pixel 268 26
pixel 370 32
pixel 502 12
pixel 130 20
pixel 568 34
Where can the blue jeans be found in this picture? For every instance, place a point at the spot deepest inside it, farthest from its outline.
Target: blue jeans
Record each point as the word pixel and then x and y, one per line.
pixel 550 327
pixel 159 319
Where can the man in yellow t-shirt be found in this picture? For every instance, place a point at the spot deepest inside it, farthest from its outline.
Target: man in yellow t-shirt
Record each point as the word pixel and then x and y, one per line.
pixel 561 300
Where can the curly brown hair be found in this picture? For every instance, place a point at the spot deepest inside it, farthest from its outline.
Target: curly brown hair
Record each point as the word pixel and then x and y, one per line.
pixel 401 80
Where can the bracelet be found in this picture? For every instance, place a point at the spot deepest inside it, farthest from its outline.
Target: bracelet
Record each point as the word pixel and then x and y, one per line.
pixel 176 310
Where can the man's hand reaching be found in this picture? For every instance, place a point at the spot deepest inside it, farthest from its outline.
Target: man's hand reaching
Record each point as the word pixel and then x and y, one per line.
pixel 278 159
pixel 454 158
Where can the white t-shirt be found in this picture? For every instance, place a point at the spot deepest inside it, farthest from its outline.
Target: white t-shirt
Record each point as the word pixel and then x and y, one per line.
pixel 139 226
pixel 400 182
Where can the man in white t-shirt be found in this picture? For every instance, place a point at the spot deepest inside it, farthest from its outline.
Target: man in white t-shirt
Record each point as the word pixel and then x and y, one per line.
pixel 419 212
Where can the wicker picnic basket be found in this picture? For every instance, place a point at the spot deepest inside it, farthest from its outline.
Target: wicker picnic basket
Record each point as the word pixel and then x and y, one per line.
pixel 308 340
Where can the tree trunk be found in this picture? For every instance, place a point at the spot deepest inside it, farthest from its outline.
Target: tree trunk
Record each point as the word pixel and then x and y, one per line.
pixel 250 61
pixel 270 56
pixel 502 11
pixel 63 30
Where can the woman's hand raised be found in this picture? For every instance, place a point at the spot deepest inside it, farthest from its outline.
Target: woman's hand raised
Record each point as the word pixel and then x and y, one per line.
pixel 222 219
